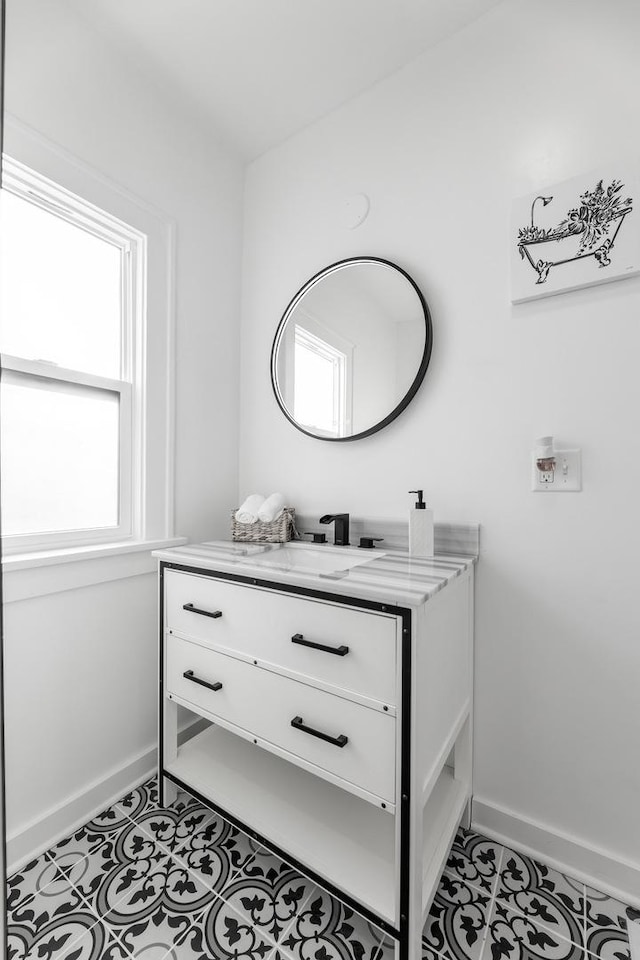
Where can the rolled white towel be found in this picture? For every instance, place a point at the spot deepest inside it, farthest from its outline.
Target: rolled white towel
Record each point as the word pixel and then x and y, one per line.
pixel 271 508
pixel 248 512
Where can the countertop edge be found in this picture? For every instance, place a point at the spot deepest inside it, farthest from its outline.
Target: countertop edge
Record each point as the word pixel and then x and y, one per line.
pixel 399 581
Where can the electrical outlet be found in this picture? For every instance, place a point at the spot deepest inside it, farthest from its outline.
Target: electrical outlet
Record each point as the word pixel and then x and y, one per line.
pixel 566 478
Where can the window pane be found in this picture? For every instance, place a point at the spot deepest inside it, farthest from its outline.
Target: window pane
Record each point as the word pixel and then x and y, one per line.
pixel 60 291
pixel 59 456
pixel 315 388
pixel 319 379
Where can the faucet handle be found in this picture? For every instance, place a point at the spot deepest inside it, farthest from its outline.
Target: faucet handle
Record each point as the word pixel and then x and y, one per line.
pixel 368 543
pixel 317 537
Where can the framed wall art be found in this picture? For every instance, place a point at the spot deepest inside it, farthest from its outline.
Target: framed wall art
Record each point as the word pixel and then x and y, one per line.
pixel 576 233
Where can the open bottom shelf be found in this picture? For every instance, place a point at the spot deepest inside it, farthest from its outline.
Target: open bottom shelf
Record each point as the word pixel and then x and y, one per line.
pixel 441 816
pixel 347 842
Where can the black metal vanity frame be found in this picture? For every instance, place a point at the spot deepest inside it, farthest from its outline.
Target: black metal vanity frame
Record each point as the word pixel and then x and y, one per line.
pixel 400 934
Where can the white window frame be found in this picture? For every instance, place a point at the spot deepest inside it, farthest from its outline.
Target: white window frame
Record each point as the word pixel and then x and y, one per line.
pixel 37 189
pixel 338 360
pixel 314 328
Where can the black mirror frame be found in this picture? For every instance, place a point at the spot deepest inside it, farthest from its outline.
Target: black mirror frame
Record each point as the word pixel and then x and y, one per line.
pixel 419 377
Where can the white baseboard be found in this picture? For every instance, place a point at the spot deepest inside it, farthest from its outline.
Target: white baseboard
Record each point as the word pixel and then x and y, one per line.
pixel 598 868
pixel 33 838
pixel 58 822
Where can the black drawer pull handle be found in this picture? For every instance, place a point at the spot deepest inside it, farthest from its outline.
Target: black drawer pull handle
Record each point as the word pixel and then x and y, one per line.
pixel 189 675
pixel 189 607
pixel 339 741
pixel 340 651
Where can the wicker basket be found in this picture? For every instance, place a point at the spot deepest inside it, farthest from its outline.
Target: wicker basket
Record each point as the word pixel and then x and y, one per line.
pixel 278 531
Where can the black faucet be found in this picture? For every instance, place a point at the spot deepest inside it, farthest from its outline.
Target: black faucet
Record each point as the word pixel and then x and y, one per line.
pixel 341 520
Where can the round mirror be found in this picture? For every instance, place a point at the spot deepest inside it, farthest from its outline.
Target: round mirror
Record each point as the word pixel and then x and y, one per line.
pixel 351 350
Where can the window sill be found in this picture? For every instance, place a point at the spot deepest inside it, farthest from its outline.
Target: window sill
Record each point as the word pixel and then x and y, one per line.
pixel 28 575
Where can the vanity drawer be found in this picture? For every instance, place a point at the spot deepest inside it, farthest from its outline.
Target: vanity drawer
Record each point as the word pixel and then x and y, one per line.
pixel 270 627
pixel 265 703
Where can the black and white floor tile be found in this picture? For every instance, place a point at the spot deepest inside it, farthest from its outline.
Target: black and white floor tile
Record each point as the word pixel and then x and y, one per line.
pixel 180 883
pixel 496 904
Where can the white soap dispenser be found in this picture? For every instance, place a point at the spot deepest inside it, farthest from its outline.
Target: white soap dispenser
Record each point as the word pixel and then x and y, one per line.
pixel 420 529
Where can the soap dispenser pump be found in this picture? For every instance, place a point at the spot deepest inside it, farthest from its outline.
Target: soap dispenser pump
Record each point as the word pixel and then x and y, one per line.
pixel 420 528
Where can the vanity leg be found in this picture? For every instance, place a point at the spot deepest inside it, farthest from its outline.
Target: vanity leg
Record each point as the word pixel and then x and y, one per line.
pixel 415 942
pixel 167 790
pixel 462 762
pixel 414 932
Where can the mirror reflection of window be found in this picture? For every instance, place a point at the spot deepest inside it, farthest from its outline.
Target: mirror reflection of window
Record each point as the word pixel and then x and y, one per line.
pixel 319 396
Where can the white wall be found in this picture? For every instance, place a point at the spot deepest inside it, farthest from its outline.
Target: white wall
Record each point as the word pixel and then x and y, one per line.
pixel 526 96
pixel 69 85
pixel 80 702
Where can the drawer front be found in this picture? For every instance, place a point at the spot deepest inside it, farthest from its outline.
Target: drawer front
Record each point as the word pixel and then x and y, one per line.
pixel 261 624
pixel 264 703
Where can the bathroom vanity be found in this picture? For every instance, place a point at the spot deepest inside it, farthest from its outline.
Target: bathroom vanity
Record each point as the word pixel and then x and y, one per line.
pixel 338 688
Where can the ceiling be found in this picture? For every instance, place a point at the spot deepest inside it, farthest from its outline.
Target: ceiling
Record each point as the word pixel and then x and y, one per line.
pixel 261 70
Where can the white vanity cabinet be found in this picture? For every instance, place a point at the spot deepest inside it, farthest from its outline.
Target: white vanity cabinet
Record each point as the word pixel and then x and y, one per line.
pixel 339 726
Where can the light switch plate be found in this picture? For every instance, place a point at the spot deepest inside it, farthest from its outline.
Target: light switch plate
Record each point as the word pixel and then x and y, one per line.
pixel 567 476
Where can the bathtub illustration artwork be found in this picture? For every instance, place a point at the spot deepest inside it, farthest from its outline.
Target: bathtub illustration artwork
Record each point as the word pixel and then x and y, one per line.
pixel 588 230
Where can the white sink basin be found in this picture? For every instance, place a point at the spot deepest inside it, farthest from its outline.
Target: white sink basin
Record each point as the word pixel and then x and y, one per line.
pixel 310 559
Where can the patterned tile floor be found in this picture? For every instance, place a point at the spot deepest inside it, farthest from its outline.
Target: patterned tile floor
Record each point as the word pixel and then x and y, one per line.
pixel 179 883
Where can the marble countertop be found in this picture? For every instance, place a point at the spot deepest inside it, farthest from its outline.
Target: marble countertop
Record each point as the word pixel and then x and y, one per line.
pixel 389 576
